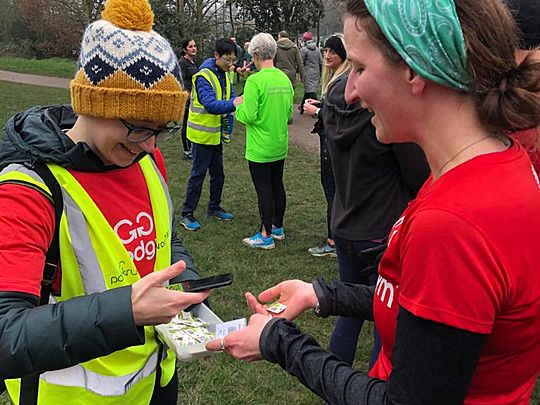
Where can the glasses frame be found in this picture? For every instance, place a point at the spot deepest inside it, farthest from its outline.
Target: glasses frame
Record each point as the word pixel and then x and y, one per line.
pixel 228 60
pixel 160 134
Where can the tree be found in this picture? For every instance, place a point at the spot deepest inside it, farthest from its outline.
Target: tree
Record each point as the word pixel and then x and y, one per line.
pixel 45 28
pixel 53 27
pixel 273 16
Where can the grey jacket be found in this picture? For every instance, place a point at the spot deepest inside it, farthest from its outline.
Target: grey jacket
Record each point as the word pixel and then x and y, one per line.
pixel 288 59
pixel 35 339
pixel 312 59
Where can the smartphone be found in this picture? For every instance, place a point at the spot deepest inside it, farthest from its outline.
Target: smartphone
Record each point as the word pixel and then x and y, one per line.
pixel 203 284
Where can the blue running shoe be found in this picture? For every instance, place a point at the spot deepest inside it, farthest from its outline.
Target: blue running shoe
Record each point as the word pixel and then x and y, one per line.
pixel 278 233
pixel 324 250
pixel 259 242
pixel 189 222
pixel 221 214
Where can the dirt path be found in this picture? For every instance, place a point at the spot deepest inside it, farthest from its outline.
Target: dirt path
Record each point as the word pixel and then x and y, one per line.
pixel 299 130
pixel 34 79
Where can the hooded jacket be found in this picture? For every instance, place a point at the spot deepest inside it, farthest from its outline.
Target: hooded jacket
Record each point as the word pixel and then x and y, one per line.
pixel 35 340
pixel 374 181
pixel 312 59
pixel 288 59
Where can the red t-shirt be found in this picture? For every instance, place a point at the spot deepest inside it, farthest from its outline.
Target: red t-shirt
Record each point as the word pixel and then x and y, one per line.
pixel 530 140
pixel 466 253
pixel 28 218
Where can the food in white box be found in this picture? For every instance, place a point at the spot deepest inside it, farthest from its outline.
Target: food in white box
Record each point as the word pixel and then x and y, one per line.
pixel 188 330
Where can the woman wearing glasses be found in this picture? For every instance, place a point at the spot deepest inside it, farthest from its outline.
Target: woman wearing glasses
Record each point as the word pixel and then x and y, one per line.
pixel 92 338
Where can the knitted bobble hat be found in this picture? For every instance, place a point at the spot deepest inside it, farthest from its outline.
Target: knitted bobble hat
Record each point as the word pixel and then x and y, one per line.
pixel 125 69
pixel 308 36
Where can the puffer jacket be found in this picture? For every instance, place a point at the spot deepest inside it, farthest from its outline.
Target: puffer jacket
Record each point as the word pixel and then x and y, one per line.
pixel 312 59
pixel 288 59
pixel 36 340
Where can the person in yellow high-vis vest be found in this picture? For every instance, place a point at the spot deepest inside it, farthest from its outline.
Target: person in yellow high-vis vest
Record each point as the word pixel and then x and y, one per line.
pixel 94 342
pixel 212 102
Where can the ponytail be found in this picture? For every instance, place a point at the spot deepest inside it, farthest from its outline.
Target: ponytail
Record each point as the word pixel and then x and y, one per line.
pixel 511 102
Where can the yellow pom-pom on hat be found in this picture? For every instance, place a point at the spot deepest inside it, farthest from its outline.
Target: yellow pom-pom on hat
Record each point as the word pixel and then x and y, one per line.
pixel 127 70
pixel 134 15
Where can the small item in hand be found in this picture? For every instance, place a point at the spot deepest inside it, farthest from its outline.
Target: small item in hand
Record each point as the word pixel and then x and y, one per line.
pixel 223 329
pixel 226 132
pixel 276 307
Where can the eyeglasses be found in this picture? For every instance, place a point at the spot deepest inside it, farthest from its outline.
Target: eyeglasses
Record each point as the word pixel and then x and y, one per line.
pixel 141 134
pixel 229 60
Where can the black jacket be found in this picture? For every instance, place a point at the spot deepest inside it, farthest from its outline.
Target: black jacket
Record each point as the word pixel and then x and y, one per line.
pixel 374 181
pixel 187 69
pixel 57 336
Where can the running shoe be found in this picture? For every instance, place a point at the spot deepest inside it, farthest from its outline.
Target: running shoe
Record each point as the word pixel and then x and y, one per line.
pixel 258 241
pixel 189 222
pixel 324 250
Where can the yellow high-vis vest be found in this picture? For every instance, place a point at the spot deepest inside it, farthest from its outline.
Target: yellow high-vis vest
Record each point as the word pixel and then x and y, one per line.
pixel 126 376
pixel 202 127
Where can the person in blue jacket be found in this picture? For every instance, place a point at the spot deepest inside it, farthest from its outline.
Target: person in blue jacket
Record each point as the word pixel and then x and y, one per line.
pixel 209 123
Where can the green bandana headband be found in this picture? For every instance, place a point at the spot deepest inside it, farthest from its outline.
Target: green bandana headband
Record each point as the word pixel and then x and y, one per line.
pixel 428 36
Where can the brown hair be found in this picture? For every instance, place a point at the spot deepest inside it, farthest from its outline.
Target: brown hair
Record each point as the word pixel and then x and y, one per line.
pixel 506 94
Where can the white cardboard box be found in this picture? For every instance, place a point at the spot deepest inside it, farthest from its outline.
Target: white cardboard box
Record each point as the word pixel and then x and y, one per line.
pixel 188 353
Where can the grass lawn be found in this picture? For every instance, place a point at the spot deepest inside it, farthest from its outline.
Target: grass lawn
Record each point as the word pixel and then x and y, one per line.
pixel 56 67
pixel 17 97
pixel 217 248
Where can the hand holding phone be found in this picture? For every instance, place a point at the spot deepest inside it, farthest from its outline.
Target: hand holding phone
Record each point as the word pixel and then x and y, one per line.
pixel 203 284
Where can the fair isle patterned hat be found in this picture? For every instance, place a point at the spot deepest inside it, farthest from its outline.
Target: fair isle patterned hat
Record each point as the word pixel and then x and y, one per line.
pixel 125 69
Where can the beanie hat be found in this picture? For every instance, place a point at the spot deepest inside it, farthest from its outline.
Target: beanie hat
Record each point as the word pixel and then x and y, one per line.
pixel 336 44
pixel 125 69
pixel 308 36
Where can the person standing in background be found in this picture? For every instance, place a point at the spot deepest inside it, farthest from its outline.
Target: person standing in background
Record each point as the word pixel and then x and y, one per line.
pixel 239 57
pixel 288 58
pixel 312 60
pixel 245 66
pixel 335 66
pixel 212 103
pixel 267 107
pixel 188 67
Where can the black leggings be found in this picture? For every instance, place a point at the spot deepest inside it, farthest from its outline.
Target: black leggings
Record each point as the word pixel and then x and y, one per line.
pixel 268 181
pixel 186 143
pixel 327 181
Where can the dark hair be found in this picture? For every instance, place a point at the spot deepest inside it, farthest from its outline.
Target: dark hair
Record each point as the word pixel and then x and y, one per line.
pixel 225 46
pixel 185 44
pixel 283 34
pixel 506 95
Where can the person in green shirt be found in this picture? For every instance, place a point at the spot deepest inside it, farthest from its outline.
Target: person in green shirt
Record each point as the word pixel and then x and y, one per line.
pixel 266 109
